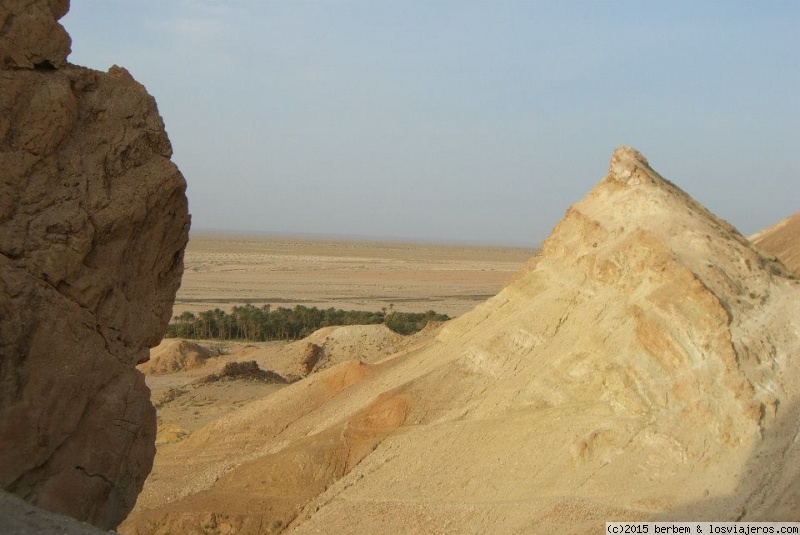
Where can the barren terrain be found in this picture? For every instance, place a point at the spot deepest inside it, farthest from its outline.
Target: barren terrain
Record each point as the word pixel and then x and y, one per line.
pixel 224 271
pixel 641 368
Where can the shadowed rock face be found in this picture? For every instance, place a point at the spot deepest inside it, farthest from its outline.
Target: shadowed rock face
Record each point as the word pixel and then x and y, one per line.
pixel 93 223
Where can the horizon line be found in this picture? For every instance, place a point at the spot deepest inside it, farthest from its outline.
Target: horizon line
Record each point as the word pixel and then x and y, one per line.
pixel 323 236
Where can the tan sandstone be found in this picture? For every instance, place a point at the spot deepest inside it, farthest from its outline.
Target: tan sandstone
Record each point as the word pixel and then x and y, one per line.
pixel 174 355
pixel 642 367
pixel 93 223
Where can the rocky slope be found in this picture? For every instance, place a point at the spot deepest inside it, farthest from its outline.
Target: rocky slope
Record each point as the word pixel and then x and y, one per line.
pixel 642 368
pixel 783 241
pixel 93 223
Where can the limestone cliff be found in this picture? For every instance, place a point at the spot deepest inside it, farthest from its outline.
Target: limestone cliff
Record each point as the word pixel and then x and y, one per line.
pixel 93 223
pixel 644 367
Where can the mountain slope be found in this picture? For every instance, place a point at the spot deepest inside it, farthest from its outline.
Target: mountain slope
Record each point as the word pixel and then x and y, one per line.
pixel 643 367
pixel 782 240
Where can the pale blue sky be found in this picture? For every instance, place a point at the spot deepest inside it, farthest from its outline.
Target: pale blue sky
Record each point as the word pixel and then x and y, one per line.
pixel 468 121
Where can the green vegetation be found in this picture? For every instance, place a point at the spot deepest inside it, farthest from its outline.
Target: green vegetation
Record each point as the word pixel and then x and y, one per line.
pixel 262 324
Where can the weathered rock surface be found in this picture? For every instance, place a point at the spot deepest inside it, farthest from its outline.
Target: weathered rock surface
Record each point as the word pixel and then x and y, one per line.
pixel 30 35
pixel 644 367
pixel 783 241
pixel 93 222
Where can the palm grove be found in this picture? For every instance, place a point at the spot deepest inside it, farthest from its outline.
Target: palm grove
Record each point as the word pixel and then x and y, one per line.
pixel 253 323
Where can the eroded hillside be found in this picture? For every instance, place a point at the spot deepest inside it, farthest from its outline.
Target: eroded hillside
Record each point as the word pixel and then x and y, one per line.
pixel 642 368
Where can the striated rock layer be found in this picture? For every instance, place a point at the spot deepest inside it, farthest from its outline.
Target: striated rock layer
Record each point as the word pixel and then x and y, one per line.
pixel 643 367
pixel 93 223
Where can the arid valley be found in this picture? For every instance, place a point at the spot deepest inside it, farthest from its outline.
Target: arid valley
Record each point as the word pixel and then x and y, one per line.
pixel 641 365
pixel 225 270
pixel 598 350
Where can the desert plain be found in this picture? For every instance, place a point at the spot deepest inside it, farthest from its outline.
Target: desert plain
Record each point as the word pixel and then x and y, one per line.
pixel 225 270
pixel 643 366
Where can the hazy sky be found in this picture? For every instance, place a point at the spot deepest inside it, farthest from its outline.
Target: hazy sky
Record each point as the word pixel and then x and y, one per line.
pixel 458 120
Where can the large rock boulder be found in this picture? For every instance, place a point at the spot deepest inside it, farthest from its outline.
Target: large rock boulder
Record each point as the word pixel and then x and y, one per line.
pixel 93 223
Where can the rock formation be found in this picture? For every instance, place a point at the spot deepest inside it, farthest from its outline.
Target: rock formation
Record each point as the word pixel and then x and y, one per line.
pixel 329 346
pixel 93 222
pixel 31 36
pixel 644 367
pixel 174 355
pixel 783 241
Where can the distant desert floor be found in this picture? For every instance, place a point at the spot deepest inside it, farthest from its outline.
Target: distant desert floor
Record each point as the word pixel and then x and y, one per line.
pixel 223 271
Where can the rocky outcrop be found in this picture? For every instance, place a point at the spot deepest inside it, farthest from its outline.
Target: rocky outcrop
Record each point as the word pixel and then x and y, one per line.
pixel 782 240
pixel 93 223
pixel 644 367
pixel 30 35
pixel 176 355
pixel 334 345
pixel 329 346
